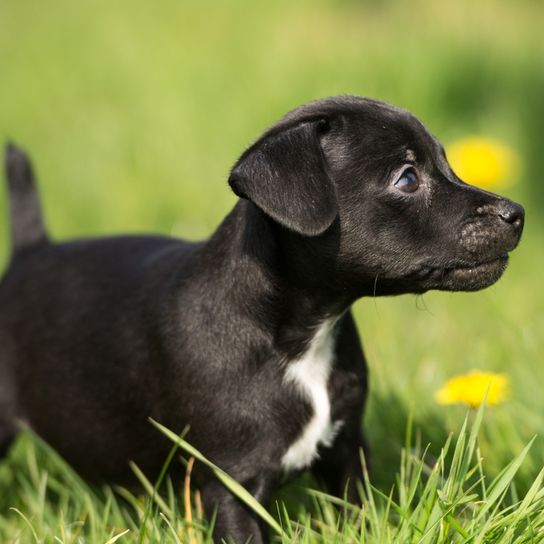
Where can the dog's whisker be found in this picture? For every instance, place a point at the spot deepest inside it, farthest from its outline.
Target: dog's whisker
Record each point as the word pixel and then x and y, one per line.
pixel 375 285
pixel 425 308
pixel 374 291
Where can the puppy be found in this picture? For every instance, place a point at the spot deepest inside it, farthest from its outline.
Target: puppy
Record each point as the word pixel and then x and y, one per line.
pixel 246 338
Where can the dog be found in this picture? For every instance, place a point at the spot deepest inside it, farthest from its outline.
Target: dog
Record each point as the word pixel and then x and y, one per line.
pixel 247 338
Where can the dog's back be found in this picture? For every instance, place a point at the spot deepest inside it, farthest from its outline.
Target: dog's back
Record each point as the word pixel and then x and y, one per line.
pixel 53 350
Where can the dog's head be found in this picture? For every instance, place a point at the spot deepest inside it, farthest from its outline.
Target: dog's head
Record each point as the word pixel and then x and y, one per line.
pixel 372 175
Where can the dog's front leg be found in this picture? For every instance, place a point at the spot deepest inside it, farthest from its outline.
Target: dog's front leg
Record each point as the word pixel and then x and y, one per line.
pixel 339 467
pixel 235 522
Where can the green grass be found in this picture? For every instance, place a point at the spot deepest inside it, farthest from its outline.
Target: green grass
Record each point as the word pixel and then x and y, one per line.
pixel 134 114
pixel 444 499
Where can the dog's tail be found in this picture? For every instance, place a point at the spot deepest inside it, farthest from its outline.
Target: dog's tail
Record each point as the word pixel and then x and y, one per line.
pixel 27 226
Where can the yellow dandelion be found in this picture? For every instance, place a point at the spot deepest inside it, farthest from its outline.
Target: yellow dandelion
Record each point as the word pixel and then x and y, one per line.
pixel 484 162
pixel 471 389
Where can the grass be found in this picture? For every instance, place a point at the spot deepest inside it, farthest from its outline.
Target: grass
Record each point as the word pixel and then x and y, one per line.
pixel 134 113
pixel 447 499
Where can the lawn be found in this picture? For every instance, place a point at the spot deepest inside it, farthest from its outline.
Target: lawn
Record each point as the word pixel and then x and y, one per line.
pixel 134 113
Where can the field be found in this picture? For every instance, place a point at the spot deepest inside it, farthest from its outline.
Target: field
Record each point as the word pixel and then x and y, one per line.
pixel 134 113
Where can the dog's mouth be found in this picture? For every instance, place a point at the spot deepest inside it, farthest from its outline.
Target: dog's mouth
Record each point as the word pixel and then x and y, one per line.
pixel 468 277
pixel 487 267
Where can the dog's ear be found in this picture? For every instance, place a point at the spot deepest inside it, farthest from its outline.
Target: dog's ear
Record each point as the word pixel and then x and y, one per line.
pixel 285 175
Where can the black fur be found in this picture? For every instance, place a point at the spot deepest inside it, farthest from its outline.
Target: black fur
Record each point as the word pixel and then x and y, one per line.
pixel 97 336
pixel 27 227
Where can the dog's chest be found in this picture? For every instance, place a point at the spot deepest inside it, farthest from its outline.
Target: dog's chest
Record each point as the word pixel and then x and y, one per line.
pixel 308 376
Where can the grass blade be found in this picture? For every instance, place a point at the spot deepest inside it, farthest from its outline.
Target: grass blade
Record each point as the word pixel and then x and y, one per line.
pixel 232 485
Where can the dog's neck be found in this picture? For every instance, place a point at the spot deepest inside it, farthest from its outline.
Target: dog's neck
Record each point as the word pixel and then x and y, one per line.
pixel 275 275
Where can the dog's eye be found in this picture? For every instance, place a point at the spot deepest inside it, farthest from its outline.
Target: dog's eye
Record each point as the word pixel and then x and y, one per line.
pixel 408 182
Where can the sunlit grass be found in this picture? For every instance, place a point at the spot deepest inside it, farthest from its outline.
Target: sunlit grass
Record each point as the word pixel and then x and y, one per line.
pixel 434 500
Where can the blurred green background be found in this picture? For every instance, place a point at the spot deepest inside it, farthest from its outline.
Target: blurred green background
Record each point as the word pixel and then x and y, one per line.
pixel 134 112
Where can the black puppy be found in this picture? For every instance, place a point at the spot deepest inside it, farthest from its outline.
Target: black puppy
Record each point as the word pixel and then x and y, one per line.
pixel 247 338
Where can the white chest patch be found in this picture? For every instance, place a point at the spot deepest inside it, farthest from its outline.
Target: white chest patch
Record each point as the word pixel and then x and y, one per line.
pixel 310 374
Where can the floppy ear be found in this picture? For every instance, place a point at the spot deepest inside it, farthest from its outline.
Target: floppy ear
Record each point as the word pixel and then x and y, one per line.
pixel 285 175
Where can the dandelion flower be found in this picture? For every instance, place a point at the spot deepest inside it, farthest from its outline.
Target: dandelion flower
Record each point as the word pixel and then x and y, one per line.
pixel 471 389
pixel 484 162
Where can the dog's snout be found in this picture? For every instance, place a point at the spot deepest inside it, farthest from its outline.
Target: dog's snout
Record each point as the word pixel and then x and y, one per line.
pixel 512 213
pixel 506 210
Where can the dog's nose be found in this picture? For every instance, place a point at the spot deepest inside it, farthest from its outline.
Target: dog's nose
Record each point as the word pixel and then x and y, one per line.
pixel 511 213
